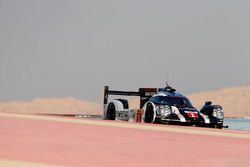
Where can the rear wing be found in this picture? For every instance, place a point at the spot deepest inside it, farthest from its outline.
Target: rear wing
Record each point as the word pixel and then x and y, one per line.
pixel 144 93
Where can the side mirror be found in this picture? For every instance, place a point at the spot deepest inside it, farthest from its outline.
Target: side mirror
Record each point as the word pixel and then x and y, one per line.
pixel 208 103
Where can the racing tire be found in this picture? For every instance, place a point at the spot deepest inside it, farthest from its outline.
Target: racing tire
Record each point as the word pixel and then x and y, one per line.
pixel 149 114
pixel 215 126
pixel 111 112
pixel 218 126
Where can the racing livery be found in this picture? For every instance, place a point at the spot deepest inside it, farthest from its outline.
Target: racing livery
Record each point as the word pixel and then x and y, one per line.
pixel 162 105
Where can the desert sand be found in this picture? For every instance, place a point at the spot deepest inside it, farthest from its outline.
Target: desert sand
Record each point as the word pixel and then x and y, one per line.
pixel 62 106
pixel 235 101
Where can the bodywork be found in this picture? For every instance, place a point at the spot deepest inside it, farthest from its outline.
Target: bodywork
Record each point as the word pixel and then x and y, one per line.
pixel 161 105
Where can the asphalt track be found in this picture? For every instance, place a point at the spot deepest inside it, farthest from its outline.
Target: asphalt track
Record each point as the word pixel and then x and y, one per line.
pixel 35 141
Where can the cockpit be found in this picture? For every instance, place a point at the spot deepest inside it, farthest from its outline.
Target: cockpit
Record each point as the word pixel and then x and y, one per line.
pixel 172 101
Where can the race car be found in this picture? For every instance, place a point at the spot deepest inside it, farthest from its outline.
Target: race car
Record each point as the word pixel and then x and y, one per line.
pixel 161 105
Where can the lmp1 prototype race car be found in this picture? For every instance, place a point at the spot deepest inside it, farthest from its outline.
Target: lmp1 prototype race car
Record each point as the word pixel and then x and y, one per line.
pixel 161 105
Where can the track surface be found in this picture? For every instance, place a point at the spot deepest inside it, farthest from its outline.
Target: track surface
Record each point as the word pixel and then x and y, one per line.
pixel 53 141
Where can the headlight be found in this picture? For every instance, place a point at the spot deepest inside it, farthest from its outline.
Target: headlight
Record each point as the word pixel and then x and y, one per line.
pixel 163 110
pixel 218 113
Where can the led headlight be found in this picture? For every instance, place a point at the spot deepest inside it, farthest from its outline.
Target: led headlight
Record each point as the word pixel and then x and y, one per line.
pixel 163 110
pixel 218 113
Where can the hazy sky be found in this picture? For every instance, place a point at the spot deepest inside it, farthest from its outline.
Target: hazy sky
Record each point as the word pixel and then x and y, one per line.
pixel 61 48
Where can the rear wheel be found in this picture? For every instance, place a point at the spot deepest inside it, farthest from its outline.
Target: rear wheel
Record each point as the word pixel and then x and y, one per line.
pixel 111 112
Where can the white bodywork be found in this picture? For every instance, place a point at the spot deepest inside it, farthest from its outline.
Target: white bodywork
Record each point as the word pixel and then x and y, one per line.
pixel 130 114
pixel 118 106
pixel 121 113
pixel 177 112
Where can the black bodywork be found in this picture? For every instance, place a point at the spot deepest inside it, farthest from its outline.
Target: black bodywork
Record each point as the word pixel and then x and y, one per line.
pixel 182 111
pixel 208 110
pixel 165 105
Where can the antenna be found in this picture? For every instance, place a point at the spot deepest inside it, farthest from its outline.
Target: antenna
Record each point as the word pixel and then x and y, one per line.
pixel 169 88
pixel 167 85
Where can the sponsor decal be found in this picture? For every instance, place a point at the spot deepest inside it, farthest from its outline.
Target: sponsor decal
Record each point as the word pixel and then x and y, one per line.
pixel 192 114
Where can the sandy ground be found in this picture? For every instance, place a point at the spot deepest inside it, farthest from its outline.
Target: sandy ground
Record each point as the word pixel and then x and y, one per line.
pixel 52 106
pixel 235 101
pixel 57 141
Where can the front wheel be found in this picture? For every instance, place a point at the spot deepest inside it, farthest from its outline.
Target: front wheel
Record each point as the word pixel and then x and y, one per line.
pixel 218 126
pixel 149 116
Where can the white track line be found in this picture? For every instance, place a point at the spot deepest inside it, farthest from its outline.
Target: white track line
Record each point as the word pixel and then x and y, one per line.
pixel 14 163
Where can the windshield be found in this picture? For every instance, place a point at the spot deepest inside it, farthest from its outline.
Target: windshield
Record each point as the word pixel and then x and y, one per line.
pixel 172 101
